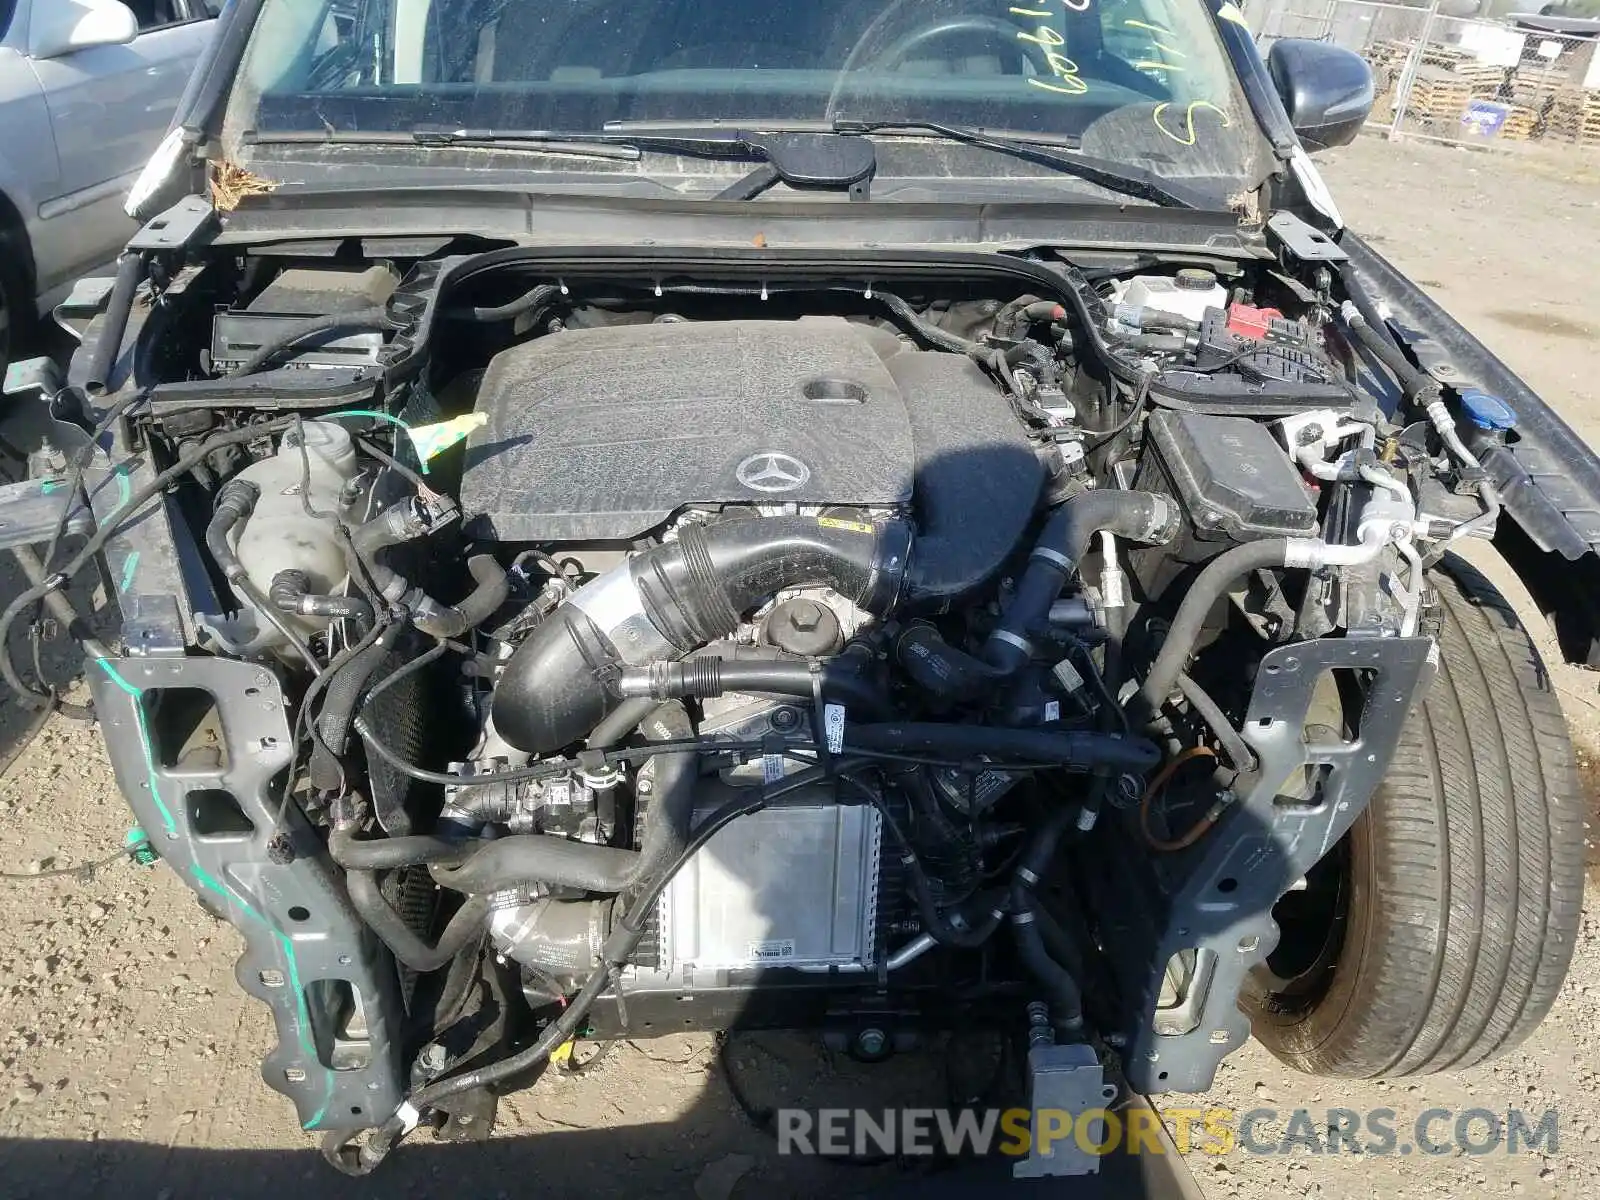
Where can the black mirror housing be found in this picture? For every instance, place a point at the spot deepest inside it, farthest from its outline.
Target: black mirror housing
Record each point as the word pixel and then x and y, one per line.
pixel 1326 89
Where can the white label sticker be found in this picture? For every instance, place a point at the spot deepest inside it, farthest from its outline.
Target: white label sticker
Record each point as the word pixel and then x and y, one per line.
pixel 1052 710
pixel 1069 676
pixel 833 727
pixel 771 767
pixel 777 949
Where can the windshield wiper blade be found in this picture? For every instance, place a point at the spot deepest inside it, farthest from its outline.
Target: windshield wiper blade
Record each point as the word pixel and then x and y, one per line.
pixel 1114 177
pixel 543 143
pixel 819 160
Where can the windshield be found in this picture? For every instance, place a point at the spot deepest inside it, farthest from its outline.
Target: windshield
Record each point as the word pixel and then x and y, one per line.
pixel 1136 81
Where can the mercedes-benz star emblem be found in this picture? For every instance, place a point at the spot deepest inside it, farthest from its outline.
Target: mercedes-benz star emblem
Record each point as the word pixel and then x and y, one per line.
pixel 773 472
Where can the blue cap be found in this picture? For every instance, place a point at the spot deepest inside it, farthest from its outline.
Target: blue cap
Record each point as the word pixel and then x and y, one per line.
pixel 1486 411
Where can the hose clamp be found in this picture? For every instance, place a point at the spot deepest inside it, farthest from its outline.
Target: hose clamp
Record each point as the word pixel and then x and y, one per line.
pixel 1011 639
pixel 1055 558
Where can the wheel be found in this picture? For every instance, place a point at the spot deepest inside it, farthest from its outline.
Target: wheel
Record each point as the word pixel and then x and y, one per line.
pixel 1438 932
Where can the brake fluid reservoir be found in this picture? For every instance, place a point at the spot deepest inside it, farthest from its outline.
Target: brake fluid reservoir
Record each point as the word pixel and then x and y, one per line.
pixel 281 535
pixel 1188 293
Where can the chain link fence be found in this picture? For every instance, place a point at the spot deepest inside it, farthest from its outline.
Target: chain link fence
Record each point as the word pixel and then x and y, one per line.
pixel 1455 79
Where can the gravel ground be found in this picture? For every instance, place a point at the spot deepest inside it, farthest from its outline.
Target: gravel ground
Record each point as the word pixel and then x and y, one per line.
pixel 129 1059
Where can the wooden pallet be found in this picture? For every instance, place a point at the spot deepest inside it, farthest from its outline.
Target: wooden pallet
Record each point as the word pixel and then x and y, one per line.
pixel 1575 116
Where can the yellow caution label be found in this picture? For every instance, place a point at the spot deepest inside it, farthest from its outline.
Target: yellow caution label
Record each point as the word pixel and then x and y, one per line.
pixel 562 1054
pixel 850 526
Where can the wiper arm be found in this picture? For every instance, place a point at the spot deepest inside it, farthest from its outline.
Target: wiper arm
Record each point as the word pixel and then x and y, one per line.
pixel 801 160
pixel 1114 177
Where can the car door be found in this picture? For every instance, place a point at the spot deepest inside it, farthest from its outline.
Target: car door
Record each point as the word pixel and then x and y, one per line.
pixel 109 107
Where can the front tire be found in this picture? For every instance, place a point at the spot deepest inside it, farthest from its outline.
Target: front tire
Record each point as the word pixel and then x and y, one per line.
pixel 1439 933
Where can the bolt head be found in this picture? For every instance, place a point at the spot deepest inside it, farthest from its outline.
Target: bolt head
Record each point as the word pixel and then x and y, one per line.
pixel 805 615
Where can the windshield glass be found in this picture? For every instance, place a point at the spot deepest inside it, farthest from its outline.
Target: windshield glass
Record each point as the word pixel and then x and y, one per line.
pixel 1137 81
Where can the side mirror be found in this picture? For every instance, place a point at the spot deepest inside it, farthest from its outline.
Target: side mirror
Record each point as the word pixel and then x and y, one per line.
pixel 1326 89
pixel 66 26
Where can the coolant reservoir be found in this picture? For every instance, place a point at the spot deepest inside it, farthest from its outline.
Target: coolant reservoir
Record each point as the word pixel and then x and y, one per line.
pixel 280 535
pixel 1188 293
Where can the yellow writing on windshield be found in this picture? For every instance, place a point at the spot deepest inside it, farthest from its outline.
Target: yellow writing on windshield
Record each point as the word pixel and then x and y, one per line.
pixel 1185 136
pixel 1063 76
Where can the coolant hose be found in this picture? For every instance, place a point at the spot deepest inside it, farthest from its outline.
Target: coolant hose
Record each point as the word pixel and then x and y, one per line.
pixel 952 674
pixel 392 853
pixel 489 593
pixel 235 502
pixel 1209 586
pixel 467 923
pixel 528 858
pixel 1062 992
pixel 673 598
pixel 540 858
pixel 407 522
pixel 704 676
pixel 1416 383
pixel 1144 517
pixel 131 268
pixel 291 592
pixel 341 698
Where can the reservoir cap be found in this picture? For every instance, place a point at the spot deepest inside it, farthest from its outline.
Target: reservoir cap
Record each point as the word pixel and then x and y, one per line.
pixel 1486 411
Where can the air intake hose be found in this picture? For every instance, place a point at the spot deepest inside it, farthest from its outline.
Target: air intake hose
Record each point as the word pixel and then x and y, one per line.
pixel 936 666
pixel 673 598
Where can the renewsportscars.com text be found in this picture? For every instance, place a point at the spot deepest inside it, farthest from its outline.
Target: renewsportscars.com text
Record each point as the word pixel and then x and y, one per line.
pixel 1136 1130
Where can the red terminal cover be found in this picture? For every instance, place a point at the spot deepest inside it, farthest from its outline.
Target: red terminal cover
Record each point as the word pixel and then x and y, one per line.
pixel 1248 321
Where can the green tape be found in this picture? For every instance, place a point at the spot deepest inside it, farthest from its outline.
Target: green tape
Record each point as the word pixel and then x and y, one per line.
pixel 228 894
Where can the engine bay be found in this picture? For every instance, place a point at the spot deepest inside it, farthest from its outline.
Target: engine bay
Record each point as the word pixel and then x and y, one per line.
pixel 872 647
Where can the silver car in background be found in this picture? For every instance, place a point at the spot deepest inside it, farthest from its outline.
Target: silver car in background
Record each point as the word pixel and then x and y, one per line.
pixel 87 88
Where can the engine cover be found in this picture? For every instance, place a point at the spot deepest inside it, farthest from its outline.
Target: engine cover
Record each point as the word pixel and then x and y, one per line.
pixel 600 434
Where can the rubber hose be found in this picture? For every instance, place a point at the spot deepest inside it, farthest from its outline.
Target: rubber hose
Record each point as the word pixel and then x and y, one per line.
pixel 1184 632
pixel 1062 992
pixel 1144 517
pixel 539 858
pixel 466 924
pixel 1208 710
pixel 928 332
pixel 954 675
pixel 119 306
pixel 341 697
pixel 362 319
pixel 1080 749
pixel 527 858
pixel 235 502
pixel 620 945
pixel 965 936
pixel 492 588
pixel 1416 384
pixel 544 294
pixel 392 853
pixel 620 722
pixel 290 592
pixel 705 677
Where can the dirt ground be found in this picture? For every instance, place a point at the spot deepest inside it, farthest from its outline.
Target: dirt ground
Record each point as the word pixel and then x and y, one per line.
pixel 129 1058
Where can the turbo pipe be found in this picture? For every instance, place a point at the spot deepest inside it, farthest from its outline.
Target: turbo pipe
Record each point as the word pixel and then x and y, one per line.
pixel 673 598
